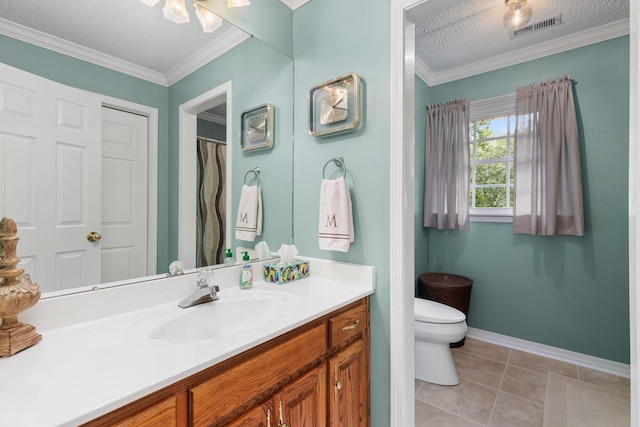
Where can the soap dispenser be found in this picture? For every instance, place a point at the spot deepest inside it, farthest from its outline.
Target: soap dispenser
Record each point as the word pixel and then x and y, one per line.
pixel 228 257
pixel 246 276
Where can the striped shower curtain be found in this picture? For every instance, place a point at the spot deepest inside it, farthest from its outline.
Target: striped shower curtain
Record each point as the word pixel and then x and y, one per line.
pixel 210 239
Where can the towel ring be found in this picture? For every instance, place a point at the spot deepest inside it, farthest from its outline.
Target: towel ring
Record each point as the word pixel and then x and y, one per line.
pixel 339 162
pixel 255 172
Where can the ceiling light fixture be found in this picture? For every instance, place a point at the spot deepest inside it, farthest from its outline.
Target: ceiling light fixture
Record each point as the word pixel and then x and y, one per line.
pixel 517 15
pixel 209 20
pixel 238 3
pixel 174 10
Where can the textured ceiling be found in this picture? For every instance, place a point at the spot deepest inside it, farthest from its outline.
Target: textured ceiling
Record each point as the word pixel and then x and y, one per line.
pixel 460 36
pixel 124 29
pixel 473 31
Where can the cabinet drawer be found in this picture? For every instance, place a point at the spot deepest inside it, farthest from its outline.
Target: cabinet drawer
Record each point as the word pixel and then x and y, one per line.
pixel 164 413
pixel 248 378
pixel 348 324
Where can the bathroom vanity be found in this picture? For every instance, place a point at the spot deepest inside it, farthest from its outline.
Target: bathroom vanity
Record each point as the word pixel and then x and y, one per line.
pixel 273 355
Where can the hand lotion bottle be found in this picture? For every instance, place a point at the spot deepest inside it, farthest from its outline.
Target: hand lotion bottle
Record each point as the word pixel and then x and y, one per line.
pixel 246 275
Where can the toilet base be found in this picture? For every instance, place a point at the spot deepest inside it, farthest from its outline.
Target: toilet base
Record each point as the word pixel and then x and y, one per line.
pixel 434 363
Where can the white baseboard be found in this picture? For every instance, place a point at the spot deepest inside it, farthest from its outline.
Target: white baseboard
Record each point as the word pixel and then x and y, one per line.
pixel 604 365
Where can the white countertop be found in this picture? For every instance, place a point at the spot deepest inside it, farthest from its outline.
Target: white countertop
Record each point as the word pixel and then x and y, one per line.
pixel 96 354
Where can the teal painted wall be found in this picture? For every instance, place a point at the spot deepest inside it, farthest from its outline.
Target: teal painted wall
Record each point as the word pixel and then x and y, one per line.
pixel 80 74
pixel 327 44
pixel 270 81
pixel 421 244
pixel 566 292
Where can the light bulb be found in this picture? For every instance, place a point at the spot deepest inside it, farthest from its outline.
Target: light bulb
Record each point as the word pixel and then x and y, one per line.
pixel 238 3
pixel 518 14
pixel 209 20
pixel 174 10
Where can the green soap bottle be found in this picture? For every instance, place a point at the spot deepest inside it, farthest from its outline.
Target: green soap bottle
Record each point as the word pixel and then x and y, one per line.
pixel 228 257
pixel 246 275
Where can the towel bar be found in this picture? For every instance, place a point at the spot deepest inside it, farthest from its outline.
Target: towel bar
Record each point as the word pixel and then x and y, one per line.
pixel 339 162
pixel 255 171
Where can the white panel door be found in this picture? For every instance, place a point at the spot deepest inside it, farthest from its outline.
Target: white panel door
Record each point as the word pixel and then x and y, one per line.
pixel 124 195
pixel 50 177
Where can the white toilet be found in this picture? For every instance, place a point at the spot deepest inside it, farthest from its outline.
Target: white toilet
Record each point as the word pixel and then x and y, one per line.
pixel 436 326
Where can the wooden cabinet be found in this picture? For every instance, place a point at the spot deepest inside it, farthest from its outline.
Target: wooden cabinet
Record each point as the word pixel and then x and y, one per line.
pixel 303 403
pixel 168 412
pixel 260 416
pixel 316 375
pixel 349 399
pixel 254 375
pixel 348 367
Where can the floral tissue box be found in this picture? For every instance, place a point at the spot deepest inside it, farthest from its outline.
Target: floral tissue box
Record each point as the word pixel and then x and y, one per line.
pixel 284 273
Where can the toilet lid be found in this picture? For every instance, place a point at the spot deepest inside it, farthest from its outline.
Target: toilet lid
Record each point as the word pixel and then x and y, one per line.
pixel 434 312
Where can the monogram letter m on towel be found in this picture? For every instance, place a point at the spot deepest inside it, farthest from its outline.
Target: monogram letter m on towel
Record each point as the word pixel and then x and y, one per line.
pixel 249 222
pixel 336 218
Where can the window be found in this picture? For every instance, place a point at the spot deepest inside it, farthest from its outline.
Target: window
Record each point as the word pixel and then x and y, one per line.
pixel 491 133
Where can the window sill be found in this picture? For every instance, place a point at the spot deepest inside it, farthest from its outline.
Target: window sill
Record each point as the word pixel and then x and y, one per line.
pixel 490 215
pixel 490 218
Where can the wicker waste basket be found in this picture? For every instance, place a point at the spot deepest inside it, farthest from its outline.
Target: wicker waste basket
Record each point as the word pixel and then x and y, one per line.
pixel 449 289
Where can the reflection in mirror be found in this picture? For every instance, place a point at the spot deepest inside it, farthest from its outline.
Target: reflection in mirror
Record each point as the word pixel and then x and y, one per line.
pixel 115 41
pixel 245 87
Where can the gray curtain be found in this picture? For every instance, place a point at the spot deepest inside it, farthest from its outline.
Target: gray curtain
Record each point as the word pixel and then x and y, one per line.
pixel 548 181
pixel 210 237
pixel 446 186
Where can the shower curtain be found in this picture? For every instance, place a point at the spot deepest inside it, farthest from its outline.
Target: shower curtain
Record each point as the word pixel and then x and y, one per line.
pixel 211 209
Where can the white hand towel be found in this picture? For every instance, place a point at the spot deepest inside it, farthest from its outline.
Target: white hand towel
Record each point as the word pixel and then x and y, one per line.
pixel 336 218
pixel 249 222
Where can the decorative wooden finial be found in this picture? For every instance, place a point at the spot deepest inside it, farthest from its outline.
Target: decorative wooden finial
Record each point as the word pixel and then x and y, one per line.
pixel 17 293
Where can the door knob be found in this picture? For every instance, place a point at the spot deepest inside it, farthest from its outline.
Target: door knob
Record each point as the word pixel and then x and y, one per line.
pixel 94 236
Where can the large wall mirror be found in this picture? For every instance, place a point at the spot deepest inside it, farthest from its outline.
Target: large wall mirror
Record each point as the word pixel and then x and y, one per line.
pixel 144 71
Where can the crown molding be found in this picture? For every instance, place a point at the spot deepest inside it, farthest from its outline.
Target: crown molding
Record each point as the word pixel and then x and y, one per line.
pixel 225 42
pixel 562 44
pixel 74 50
pixel 294 4
pixel 215 118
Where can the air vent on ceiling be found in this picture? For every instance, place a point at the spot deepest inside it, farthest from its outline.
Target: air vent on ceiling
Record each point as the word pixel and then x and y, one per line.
pixel 535 27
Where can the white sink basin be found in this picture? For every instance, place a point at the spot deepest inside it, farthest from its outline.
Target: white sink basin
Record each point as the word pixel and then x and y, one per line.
pixel 233 314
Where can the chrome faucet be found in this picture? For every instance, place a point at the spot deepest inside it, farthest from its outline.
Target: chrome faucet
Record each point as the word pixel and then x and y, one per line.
pixel 204 292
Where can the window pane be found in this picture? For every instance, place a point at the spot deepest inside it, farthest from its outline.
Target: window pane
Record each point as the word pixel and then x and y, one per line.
pixel 492 173
pixel 491 149
pixel 512 196
pixel 498 126
pixel 491 197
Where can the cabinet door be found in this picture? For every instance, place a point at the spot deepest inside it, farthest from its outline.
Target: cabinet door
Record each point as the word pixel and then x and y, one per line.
pixel 303 403
pixel 349 400
pixel 260 416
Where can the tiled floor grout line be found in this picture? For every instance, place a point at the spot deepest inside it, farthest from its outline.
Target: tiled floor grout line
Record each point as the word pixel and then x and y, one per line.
pixel 453 413
pixel 505 356
pixel 495 401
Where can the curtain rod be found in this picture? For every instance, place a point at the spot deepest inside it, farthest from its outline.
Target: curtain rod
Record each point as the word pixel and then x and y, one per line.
pixel 215 141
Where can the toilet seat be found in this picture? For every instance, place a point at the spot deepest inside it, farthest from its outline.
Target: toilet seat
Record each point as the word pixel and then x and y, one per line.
pixel 434 312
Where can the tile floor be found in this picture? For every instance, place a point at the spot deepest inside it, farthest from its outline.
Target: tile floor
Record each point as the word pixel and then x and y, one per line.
pixel 498 387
